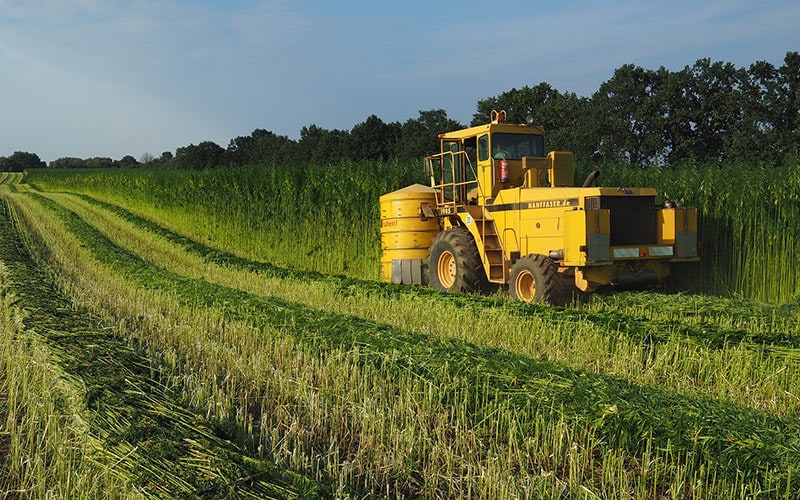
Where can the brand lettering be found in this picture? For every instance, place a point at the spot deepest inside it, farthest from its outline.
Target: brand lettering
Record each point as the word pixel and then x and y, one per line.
pixel 571 202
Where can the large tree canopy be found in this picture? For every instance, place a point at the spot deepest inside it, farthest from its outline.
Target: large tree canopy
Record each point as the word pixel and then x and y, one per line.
pixel 20 161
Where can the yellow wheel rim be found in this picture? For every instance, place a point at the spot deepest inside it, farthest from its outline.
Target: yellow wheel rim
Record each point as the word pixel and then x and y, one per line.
pixel 525 286
pixel 446 269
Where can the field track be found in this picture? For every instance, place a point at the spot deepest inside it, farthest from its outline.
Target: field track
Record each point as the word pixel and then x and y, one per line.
pixel 320 384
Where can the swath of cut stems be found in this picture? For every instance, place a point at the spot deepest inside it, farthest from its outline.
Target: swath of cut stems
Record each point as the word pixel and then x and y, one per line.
pixel 167 449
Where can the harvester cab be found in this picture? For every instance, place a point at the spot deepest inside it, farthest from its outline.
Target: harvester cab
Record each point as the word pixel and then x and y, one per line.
pixel 499 211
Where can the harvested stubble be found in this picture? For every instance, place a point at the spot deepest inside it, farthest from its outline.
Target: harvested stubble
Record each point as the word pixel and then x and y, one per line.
pixel 144 437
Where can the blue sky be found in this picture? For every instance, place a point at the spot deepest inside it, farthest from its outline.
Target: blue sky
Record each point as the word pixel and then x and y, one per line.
pixel 116 77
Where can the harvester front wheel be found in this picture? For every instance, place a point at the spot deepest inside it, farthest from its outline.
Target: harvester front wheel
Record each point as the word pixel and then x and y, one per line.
pixel 534 278
pixel 455 264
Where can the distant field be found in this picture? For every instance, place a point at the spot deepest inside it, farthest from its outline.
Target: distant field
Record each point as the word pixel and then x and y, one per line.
pixel 222 333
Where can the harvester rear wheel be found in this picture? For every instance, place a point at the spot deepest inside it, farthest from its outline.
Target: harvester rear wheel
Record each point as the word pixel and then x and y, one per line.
pixel 455 264
pixel 534 278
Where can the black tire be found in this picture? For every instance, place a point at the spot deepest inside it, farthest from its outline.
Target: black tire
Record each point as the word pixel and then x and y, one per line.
pixel 455 264
pixel 534 278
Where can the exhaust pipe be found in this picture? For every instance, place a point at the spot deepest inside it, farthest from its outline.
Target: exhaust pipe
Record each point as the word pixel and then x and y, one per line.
pixel 591 178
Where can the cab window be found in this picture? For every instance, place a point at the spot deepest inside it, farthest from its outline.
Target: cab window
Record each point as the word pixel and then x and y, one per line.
pixel 483 147
pixel 448 169
pixel 516 146
pixel 469 144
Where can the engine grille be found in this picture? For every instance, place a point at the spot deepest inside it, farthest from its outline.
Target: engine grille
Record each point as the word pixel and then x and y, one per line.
pixel 633 218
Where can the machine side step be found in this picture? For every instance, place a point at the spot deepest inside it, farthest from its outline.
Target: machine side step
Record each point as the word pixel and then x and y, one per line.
pixel 493 249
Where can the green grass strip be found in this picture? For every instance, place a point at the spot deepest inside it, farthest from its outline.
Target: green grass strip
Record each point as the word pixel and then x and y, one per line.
pixel 739 442
pixel 169 450
pixel 650 331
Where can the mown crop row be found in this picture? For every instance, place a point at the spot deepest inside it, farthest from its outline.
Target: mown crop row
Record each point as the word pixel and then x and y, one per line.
pixel 498 414
pixel 10 177
pixel 325 217
pixel 105 426
pixel 45 447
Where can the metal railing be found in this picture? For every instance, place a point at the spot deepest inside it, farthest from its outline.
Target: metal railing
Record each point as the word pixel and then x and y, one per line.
pixel 456 188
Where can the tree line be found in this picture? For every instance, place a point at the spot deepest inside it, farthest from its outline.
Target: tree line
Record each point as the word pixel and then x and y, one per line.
pixel 22 160
pixel 706 112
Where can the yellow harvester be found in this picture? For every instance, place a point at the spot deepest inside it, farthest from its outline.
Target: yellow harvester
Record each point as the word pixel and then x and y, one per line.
pixel 500 211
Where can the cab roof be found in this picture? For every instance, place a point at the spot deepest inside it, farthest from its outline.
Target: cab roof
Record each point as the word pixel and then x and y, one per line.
pixel 502 127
